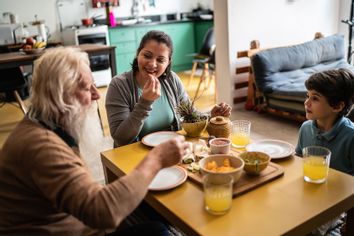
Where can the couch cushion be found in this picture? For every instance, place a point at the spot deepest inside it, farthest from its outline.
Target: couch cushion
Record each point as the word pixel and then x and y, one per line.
pixel 292 83
pixel 300 61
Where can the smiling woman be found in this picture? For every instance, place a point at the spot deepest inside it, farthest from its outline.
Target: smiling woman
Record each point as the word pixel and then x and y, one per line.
pixel 143 100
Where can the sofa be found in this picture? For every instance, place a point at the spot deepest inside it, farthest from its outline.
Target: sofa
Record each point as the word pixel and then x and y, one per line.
pixel 280 73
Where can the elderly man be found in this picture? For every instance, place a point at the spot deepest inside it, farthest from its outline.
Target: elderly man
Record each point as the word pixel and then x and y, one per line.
pixel 45 187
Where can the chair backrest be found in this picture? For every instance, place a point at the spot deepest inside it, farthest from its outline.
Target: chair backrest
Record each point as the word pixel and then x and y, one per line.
pixel 12 79
pixel 208 42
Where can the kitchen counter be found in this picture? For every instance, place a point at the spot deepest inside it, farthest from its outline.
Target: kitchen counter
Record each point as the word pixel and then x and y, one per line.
pixel 151 21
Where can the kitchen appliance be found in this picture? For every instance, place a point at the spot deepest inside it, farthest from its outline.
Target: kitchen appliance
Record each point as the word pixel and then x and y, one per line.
pixel 95 34
pixel 7 35
pixel 43 31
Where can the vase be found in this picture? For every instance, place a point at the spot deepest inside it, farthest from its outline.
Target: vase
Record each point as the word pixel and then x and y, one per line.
pixel 195 129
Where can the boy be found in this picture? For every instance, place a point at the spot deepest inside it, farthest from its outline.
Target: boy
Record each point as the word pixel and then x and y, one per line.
pixel 329 98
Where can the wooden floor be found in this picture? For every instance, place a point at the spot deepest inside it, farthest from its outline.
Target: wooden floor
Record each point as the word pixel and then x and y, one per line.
pixel 10 114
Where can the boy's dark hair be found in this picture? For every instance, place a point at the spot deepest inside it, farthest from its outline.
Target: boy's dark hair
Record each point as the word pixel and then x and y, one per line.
pixel 335 85
pixel 160 37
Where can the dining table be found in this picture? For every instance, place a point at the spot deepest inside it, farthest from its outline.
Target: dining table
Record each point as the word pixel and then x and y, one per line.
pixel 287 205
pixel 15 59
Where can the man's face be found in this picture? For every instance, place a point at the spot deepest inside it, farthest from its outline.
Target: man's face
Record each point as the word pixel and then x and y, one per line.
pixel 86 91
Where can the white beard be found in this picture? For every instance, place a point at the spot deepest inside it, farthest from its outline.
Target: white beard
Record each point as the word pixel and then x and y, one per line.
pixel 91 142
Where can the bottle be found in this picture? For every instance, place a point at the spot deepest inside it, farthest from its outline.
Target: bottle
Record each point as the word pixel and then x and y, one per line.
pixel 110 18
pixel 107 5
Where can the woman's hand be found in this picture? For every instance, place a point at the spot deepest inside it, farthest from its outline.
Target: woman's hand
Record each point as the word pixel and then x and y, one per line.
pixel 222 109
pixel 151 89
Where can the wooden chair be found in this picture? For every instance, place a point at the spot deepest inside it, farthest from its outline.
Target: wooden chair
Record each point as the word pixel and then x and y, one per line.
pixel 202 58
pixel 14 87
pixel 207 73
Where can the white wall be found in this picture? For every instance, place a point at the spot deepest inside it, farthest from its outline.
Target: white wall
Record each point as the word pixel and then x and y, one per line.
pixel 273 23
pixel 47 10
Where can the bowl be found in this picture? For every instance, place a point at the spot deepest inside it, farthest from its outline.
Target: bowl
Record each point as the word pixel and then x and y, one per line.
pixel 32 51
pixel 194 129
pixel 87 21
pixel 235 162
pixel 255 162
pixel 220 145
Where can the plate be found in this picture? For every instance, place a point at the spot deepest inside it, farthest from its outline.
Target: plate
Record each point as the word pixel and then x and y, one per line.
pixel 156 138
pixel 168 178
pixel 276 149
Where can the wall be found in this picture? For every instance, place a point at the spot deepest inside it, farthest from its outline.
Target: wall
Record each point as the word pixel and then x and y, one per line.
pixel 273 23
pixel 47 10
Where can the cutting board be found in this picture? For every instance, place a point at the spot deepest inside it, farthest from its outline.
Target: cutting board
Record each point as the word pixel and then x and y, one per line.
pixel 246 182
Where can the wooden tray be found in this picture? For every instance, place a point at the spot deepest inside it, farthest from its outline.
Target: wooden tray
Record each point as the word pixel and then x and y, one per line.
pixel 246 182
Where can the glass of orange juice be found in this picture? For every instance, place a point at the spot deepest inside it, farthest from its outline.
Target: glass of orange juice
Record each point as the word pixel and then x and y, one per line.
pixel 240 135
pixel 316 164
pixel 218 193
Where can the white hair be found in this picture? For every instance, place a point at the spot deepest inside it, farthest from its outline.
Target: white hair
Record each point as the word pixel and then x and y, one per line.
pixel 55 79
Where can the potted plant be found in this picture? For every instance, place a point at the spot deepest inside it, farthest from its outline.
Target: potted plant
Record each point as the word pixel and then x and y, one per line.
pixel 193 122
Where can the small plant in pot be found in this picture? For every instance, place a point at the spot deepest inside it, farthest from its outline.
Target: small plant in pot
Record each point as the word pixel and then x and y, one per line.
pixel 192 121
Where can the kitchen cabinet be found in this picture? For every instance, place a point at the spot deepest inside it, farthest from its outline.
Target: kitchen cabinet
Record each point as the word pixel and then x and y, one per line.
pixel 125 42
pixel 183 34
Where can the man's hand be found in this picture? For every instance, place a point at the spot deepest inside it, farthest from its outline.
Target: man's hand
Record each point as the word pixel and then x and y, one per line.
pixel 222 109
pixel 170 152
pixel 152 89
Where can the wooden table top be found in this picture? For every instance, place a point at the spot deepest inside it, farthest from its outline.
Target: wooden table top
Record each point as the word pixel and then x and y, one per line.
pixel 287 205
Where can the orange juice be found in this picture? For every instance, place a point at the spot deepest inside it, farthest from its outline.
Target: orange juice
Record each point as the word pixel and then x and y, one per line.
pixel 315 168
pixel 218 199
pixel 240 139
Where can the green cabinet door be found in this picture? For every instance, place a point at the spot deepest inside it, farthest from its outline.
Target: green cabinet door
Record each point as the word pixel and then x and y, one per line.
pixel 125 42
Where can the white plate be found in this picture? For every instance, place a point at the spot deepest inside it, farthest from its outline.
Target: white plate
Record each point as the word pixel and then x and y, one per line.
pixel 276 149
pixel 168 178
pixel 156 138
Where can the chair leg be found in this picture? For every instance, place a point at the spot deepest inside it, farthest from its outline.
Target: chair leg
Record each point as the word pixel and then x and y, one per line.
pixel 20 102
pixel 202 79
pixel 206 75
pixel 194 68
pixel 99 116
pixel 211 77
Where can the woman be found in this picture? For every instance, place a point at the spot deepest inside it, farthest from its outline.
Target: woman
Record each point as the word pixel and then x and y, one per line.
pixel 143 100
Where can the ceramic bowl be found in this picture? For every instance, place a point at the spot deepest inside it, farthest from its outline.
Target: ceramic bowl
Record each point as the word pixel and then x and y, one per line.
pixel 235 162
pixel 255 162
pixel 220 145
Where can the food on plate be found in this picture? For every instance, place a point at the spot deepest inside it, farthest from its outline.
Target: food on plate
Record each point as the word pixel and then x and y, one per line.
pixel 212 166
pixel 255 162
pixel 31 43
pixel 193 167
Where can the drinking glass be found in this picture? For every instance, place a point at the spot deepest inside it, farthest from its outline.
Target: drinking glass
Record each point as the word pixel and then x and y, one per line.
pixel 240 135
pixel 316 163
pixel 218 193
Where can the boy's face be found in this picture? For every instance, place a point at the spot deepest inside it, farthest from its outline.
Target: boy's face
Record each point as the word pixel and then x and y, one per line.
pixel 317 106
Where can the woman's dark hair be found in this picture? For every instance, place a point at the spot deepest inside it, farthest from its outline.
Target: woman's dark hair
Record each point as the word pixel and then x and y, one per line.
pixel 335 85
pixel 159 37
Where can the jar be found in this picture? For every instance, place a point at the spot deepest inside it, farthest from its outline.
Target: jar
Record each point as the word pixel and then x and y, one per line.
pixel 219 127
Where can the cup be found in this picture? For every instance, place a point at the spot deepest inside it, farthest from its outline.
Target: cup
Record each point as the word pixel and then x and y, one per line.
pixel 217 193
pixel 240 135
pixel 220 146
pixel 316 164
